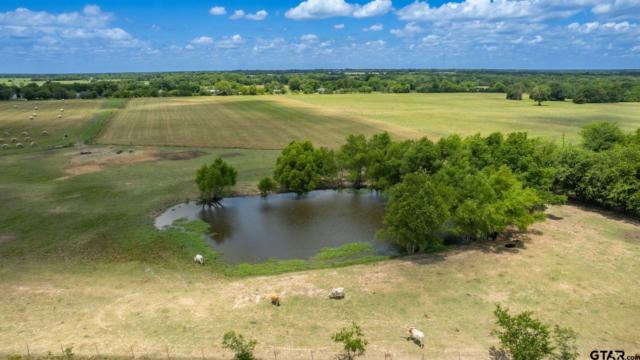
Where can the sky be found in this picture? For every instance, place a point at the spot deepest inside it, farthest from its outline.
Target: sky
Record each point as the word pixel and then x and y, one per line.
pixel 133 36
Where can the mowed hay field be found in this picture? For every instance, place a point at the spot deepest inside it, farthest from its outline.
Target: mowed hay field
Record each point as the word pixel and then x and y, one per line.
pixel 266 122
pixel 577 269
pixel 441 115
pixel 14 119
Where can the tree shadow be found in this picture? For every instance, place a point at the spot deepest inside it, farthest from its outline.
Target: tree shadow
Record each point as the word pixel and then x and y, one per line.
pixel 554 217
pixel 498 354
pixel 608 213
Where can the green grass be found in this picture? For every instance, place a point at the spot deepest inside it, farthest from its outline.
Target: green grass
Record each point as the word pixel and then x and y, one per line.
pixel 267 122
pixel 82 265
pixel 80 121
pixel 441 115
pixel 104 215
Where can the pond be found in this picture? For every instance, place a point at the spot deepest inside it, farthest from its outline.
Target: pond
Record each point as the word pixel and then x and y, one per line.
pixel 286 226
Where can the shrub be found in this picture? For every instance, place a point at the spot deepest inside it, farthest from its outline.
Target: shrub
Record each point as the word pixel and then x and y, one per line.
pixel 353 340
pixel 236 343
pixel 266 185
pixel 524 337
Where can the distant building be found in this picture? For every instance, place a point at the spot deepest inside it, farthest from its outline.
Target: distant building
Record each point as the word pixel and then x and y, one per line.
pixel 214 92
pixel 321 90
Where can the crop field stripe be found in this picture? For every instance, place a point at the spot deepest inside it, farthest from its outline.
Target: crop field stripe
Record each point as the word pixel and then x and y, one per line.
pixel 239 121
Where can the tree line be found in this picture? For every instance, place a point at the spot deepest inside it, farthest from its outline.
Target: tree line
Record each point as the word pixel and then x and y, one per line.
pixel 581 87
pixel 472 188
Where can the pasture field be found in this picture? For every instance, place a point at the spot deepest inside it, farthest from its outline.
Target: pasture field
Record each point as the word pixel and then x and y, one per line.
pixel 24 81
pixel 81 264
pixel 78 121
pixel 266 122
pixel 444 114
pixel 577 269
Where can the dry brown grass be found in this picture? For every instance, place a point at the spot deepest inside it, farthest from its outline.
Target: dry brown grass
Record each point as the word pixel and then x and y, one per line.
pixel 578 269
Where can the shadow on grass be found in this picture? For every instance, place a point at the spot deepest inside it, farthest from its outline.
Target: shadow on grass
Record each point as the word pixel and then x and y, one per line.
pixel 610 214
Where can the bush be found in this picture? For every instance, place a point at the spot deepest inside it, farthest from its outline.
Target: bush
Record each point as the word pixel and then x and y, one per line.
pixel 266 185
pixel 353 340
pixel 236 343
pixel 524 337
pixel 601 136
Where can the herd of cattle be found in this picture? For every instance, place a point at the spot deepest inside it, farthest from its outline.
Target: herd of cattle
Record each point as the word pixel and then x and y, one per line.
pixel 336 293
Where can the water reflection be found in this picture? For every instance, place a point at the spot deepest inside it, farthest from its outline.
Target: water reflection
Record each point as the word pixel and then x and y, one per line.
pixel 285 226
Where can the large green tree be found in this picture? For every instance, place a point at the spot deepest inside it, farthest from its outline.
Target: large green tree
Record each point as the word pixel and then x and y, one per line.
pixel 301 167
pixel 416 209
pixel 540 93
pixel 354 155
pixel 214 181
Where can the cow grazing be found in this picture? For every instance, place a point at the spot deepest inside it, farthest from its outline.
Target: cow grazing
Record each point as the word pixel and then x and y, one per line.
pixel 337 293
pixel 275 299
pixel 198 259
pixel 417 336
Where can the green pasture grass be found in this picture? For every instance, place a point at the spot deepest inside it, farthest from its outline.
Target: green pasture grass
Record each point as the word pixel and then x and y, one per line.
pixel 264 122
pixel 443 114
pixel 80 121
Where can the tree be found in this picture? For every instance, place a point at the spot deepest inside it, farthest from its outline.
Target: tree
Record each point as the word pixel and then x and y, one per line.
pixel 299 167
pixel 354 156
pixel 266 185
pixel 601 136
pixel 559 91
pixel 214 181
pixel 353 340
pixel 236 343
pixel 514 92
pixel 524 337
pixel 416 208
pixel 540 93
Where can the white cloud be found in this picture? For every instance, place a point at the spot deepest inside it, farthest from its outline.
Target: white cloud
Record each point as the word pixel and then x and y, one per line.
pixel 91 17
pixel 619 9
pixel 530 10
pixel 202 40
pixel 238 14
pixel 379 43
pixel 322 9
pixel 155 27
pixel 260 15
pixel 373 8
pixel 338 26
pixel 430 38
pixel 535 40
pixel 603 28
pixel 636 48
pixel 309 37
pixel 218 10
pixel 374 27
pixel 230 42
pixel 189 47
pixel 409 29
pixel 268 44
pixel 89 24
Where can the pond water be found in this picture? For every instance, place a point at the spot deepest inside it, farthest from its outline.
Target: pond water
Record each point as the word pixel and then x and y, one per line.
pixel 286 226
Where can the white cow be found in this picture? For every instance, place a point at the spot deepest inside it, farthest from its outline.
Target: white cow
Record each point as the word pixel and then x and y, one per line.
pixel 337 293
pixel 198 259
pixel 416 335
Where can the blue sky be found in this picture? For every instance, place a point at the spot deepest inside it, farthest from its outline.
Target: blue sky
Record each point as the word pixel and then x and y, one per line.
pixel 115 36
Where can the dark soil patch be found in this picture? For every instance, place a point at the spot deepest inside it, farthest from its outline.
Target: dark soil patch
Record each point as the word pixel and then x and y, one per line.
pixel 231 155
pixel 632 235
pixel 181 155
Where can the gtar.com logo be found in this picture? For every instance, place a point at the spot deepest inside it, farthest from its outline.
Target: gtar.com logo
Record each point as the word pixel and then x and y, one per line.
pixel 612 355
